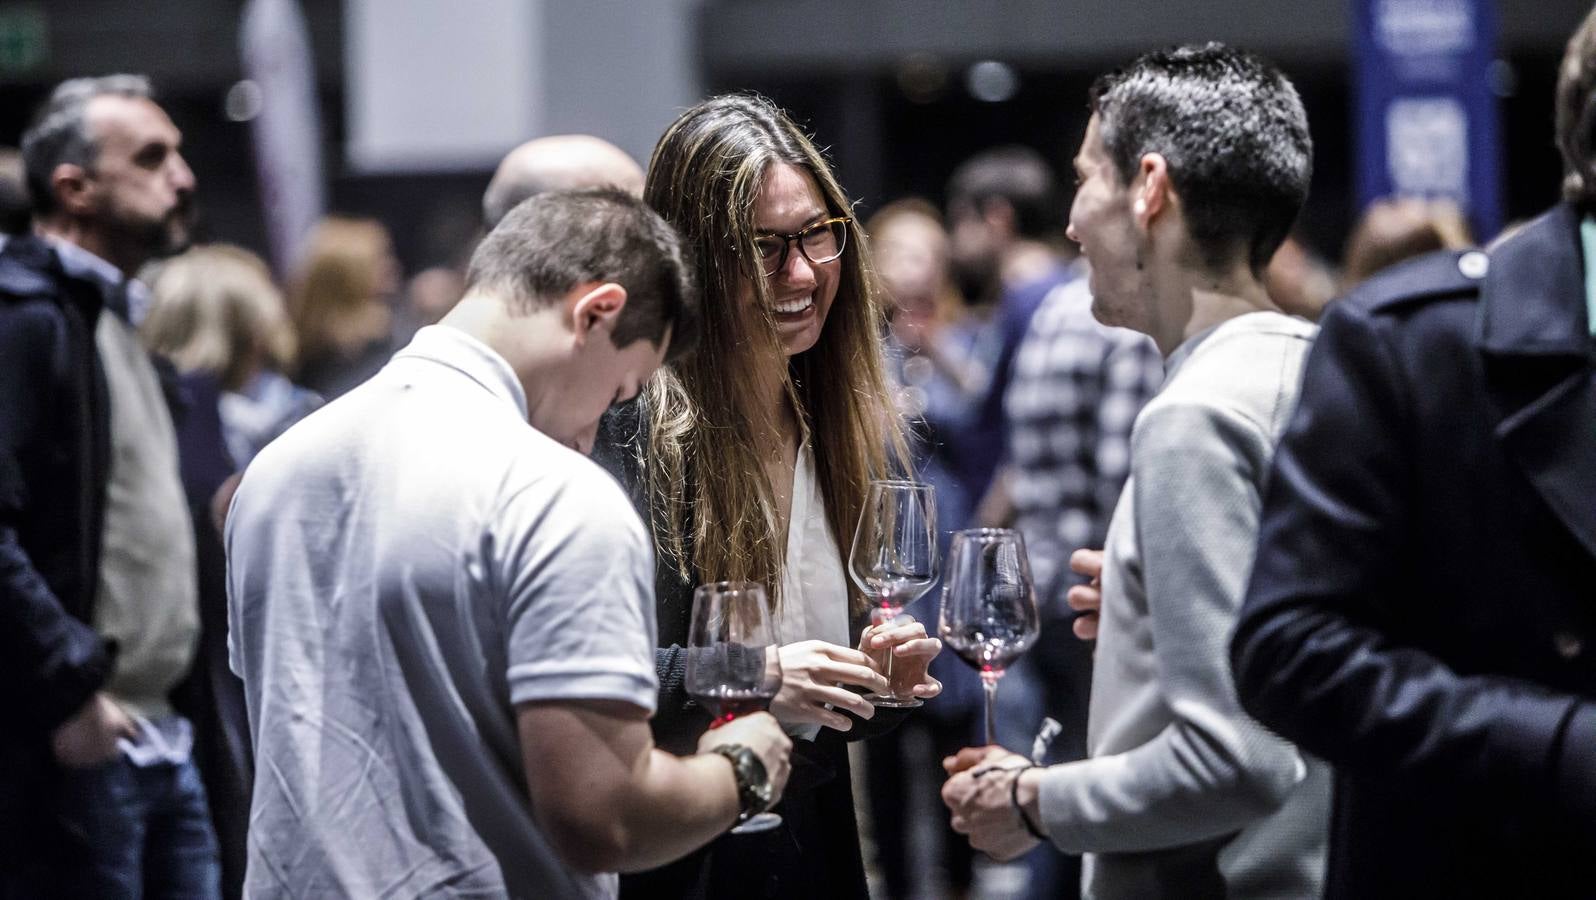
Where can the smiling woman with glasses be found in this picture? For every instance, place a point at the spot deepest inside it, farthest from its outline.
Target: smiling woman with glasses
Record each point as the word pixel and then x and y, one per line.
pixel 751 460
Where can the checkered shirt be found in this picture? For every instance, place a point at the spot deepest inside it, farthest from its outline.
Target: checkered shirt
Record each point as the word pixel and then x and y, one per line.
pixel 1076 388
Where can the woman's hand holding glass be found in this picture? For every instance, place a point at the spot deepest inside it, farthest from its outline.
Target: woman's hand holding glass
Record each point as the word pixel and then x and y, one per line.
pixel 911 651
pixel 815 676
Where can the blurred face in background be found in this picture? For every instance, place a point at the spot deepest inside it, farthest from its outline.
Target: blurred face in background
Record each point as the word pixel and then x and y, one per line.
pixel 801 291
pixel 911 255
pixel 142 188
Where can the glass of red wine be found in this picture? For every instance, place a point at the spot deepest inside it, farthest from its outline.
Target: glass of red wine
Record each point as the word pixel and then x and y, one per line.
pixel 733 668
pixel 894 561
pixel 988 604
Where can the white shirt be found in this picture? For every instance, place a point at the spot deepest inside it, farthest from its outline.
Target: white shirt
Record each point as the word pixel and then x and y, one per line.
pixel 404 566
pixel 814 583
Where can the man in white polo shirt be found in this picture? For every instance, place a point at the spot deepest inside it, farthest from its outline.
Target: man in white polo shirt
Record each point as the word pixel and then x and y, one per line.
pixel 444 618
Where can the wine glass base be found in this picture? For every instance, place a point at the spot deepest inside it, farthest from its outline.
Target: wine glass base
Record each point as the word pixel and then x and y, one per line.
pixel 755 824
pixel 894 702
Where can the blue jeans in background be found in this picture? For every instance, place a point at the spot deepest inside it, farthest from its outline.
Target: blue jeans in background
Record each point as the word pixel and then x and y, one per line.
pixel 148 830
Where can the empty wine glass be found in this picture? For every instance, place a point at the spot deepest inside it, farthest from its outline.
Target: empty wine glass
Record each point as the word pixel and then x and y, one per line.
pixel 894 561
pixel 988 605
pixel 733 667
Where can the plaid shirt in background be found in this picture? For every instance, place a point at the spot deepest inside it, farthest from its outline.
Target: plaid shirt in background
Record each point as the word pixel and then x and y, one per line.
pixel 1076 388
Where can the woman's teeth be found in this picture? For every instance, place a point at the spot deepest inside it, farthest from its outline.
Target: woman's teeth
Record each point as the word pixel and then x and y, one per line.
pixel 792 307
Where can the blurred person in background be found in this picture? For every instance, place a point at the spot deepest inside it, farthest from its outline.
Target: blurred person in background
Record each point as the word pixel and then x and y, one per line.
pixel 1005 219
pixel 216 310
pixel 1420 614
pixel 16 212
pixel 1397 229
pixel 932 352
pixel 98 585
pixel 560 162
pixel 340 301
pixel 1299 281
pixel 752 459
pixel 218 319
pixel 1195 163
pixel 1005 214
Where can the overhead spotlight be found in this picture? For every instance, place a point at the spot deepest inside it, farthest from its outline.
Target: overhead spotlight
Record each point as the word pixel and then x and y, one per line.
pixel 991 81
pixel 244 101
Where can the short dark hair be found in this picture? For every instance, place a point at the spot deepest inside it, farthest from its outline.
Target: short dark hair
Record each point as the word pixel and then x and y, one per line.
pixel 1576 115
pixel 1235 136
pixel 555 241
pixel 1016 175
pixel 60 132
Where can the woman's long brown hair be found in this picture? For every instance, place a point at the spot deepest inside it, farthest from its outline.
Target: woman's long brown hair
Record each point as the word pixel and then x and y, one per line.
pixel 707 423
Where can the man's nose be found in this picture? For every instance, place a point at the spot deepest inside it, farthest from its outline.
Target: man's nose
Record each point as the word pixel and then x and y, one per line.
pixel 182 176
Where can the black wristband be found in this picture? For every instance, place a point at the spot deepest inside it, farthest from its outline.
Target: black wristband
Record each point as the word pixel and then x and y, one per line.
pixel 1014 800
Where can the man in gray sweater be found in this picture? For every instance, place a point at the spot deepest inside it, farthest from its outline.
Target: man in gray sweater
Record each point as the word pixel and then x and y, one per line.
pixel 1194 165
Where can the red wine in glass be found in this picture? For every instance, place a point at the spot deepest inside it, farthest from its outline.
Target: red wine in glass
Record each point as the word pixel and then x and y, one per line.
pixel 733 660
pixel 727 703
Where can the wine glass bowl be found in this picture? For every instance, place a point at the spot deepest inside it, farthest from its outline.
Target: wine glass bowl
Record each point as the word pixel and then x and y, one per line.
pixel 893 561
pixel 733 660
pixel 989 614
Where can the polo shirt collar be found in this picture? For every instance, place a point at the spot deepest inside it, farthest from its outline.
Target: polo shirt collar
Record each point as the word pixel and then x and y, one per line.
pixel 449 346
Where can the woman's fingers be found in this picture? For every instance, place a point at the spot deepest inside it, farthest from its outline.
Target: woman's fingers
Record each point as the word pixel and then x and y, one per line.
pixel 897 633
pixel 820 695
pixel 922 647
pixel 846 673
pixel 927 689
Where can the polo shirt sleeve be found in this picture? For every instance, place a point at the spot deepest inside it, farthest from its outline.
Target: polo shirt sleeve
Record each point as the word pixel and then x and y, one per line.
pixel 578 573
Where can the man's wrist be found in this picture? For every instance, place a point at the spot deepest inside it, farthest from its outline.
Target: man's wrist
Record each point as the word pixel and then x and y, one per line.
pixel 1025 795
pixel 754 794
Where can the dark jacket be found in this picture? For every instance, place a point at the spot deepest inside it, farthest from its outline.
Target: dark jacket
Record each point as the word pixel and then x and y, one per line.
pixel 1422 612
pixel 816 852
pixel 54 465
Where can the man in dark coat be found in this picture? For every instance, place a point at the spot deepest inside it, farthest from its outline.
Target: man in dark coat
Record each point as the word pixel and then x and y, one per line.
pixel 98 792
pixel 1422 612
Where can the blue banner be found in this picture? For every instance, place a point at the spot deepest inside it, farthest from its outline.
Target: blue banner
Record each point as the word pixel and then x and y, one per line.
pixel 1427 117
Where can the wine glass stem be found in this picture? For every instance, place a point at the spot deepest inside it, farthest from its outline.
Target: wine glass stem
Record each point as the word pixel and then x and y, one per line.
pixel 989 681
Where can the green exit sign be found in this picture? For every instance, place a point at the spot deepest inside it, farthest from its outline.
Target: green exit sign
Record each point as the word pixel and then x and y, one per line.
pixel 24 39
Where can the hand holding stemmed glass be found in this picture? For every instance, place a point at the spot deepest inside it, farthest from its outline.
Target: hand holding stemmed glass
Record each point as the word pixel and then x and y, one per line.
pixel 989 612
pixel 733 661
pixel 894 561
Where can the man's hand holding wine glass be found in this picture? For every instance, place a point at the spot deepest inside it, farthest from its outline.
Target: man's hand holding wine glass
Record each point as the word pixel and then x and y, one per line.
pixel 761 733
pixel 988 793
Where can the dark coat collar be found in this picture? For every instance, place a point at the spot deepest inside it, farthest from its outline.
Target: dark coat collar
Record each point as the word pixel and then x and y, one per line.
pixel 1533 302
pixel 30 267
pixel 1540 373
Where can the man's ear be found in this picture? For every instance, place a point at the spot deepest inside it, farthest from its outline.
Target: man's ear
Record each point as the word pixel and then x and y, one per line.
pixel 1151 189
pixel 74 189
pixel 595 307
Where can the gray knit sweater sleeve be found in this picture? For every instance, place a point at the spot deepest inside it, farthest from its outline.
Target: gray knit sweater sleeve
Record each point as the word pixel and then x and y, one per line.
pixel 1199 767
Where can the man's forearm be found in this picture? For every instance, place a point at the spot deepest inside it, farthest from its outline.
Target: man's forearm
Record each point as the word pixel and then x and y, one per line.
pixel 680 804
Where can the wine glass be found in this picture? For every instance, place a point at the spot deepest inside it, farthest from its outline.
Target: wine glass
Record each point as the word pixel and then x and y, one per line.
pixel 988 604
pixel 894 561
pixel 733 667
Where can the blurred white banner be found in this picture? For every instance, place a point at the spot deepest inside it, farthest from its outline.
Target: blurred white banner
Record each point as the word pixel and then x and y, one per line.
pixel 286 127
pixel 437 86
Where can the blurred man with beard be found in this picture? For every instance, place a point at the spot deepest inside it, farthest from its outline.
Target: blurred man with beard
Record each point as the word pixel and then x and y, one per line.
pixel 100 797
